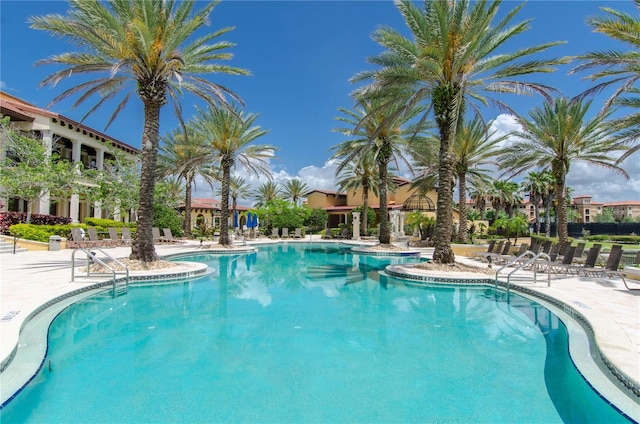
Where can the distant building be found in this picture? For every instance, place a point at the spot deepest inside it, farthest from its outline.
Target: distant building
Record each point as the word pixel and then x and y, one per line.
pixel 403 199
pixel 208 211
pixel 74 142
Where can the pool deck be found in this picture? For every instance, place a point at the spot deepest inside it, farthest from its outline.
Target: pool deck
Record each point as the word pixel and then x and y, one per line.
pixel 31 279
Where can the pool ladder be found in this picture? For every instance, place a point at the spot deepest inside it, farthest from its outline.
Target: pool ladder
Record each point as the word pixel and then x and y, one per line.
pixel 522 264
pixel 120 285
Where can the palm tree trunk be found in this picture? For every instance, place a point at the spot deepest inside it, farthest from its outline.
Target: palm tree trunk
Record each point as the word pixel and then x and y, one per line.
pixel 547 217
pixel 462 207
pixel 444 98
pixel 383 162
pixel 365 209
pixel 561 211
pixel 186 226
pixel 224 202
pixel 142 245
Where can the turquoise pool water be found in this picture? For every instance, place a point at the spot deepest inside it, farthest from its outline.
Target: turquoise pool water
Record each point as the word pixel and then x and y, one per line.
pixel 306 333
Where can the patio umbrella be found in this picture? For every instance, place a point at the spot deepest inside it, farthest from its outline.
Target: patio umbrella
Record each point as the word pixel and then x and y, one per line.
pixel 250 220
pixel 235 219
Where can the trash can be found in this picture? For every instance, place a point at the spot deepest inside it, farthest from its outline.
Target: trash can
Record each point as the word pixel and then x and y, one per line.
pixel 54 242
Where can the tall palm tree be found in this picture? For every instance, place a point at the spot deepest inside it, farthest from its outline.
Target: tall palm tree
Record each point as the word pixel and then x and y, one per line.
pixel 228 133
pixel 363 173
pixel 185 155
pixel 557 134
pixel 294 189
pixel 139 47
pixel 267 192
pixel 373 133
pixel 619 68
pixel 238 188
pixel 453 55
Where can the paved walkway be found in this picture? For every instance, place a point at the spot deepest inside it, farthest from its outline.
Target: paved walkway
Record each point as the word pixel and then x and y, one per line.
pixel 31 279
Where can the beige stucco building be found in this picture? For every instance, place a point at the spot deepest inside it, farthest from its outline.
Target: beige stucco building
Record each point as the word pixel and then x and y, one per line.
pixel 74 142
pixel 399 201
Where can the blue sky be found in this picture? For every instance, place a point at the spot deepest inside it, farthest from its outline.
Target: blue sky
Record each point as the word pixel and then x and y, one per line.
pixel 301 55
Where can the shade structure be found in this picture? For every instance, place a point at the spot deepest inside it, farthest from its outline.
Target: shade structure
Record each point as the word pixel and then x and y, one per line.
pixel 235 219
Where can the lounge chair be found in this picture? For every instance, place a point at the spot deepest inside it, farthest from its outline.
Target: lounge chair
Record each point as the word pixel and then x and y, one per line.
pixel 97 241
pixel 565 263
pixel 77 238
pixel 492 243
pixel 613 261
pixel 168 236
pixel 503 259
pixel 126 236
pixel 285 232
pixel 274 233
pixel 502 251
pixel 297 233
pixel 157 238
pixel 113 237
pixel 590 261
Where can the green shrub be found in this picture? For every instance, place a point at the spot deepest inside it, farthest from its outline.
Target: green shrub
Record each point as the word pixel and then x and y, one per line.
pixel 105 223
pixel 32 232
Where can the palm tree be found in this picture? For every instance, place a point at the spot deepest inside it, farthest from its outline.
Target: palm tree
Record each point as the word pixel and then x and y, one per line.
pixel 294 189
pixel 267 192
pixel 617 68
pixel 481 195
pixel 472 148
pixel 228 133
pixel 373 133
pixel 538 184
pixel 454 53
pixel 360 174
pixel 557 134
pixel 140 47
pixel 504 196
pixel 532 185
pixel 169 190
pixel 238 188
pixel 186 156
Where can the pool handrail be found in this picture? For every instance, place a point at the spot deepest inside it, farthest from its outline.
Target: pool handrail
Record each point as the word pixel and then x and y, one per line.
pixel 91 257
pixel 533 259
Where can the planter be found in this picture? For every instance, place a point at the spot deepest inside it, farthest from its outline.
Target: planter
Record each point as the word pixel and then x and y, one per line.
pixel 632 273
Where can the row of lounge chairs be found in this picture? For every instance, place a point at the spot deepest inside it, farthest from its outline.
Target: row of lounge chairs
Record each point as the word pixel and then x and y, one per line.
pixel 567 260
pixel 275 233
pixel 92 239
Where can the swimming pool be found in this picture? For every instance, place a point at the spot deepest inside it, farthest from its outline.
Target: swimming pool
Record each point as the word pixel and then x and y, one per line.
pixel 307 333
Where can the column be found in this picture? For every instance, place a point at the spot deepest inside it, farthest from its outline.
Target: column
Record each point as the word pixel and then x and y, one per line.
pixel 76 151
pixel 394 223
pixel 97 209
pixel 116 211
pixel 401 215
pixel 356 225
pixel 74 208
pixel 99 159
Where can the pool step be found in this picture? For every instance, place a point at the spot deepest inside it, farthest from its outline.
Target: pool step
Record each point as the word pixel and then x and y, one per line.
pixel 7 248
